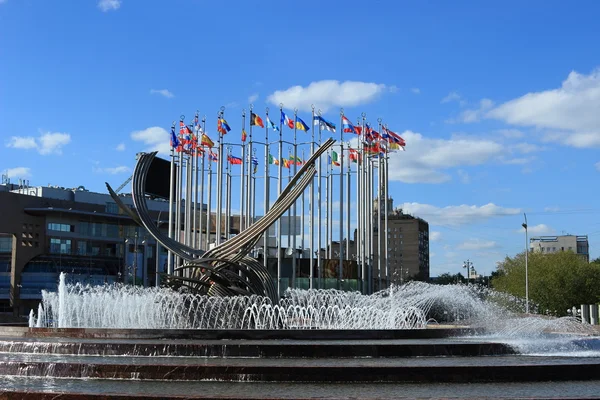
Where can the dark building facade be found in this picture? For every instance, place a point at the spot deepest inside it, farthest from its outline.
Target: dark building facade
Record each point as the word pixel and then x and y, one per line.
pixel 48 230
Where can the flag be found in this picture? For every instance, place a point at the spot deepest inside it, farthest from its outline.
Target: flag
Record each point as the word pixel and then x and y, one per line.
pixel 347 126
pixel 273 160
pixel 189 139
pixel 243 135
pixel 197 126
pixel 223 126
pixel 393 137
pixel 254 160
pixel 256 120
pixel 285 120
pixel 368 133
pixel 174 140
pixel 255 168
pixel 234 160
pixel 301 126
pixel 334 159
pixel 296 160
pixel 324 124
pixel 354 155
pixel 286 163
pixel 272 124
pixel 206 141
pixel 212 156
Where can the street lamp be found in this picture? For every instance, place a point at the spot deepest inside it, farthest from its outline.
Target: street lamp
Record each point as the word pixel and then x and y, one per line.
pixel 524 225
pixel 468 265
pixel 135 254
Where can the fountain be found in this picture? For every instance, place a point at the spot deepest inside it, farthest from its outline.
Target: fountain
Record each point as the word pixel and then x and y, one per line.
pixel 227 324
pixel 126 339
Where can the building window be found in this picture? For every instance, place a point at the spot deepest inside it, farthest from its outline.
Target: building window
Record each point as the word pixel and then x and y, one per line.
pixel 5 244
pixel 112 208
pixel 52 226
pixel 60 246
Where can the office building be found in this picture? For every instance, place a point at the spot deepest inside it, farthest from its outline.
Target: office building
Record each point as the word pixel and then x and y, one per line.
pixel 552 244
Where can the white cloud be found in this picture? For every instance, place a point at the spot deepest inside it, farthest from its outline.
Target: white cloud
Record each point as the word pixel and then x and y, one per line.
pixel 112 170
pixel 327 94
pixel 541 229
pixel 18 142
pixel 464 176
pixel 475 114
pixel 120 147
pixel 415 90
pixel 477 244
pixel 155 138
pixel 518 160
pixel 452 96
pixel 457 215
pixel 18 172
pixel 526 148
pixel 53 142
pixel 569 114
pixel 552 209
pixel 252 98
pixel 393 89
pixel 426 159
pixel 162 92
pixel 47 143
pixel 435 236
pixel 108 5
pixel 510 133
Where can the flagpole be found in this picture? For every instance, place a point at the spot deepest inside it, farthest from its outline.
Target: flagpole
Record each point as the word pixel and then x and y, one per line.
pixel 243 173
pixel 249 178
pixel 194 183
pixel 189 166
pixel 380 235
pixel 219 183
pixel 253 192
pixel 385 224
pixel 171 189
pixel 311 209
pixel 266 190
pixel 363 208
pixel 294 210
pixel 302 206
pixel 327 202
pixel 369 224
pixel 179 194
pixel 289 213
pixel 319 209
pixel 200 217
pixel 341 269
pixel 279 190
pixel 348 194
pixel 357 237
pixel 209 200
pixel 227 192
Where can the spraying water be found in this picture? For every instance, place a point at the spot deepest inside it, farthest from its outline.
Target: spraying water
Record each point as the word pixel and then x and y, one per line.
pixel 413 305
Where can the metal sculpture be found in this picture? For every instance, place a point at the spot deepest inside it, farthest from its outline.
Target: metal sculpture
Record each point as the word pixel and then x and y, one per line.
pixel 227 269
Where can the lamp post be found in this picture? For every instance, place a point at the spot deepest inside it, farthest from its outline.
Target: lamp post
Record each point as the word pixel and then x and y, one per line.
pixel 135 254
pixel 524 225
pixel 468 265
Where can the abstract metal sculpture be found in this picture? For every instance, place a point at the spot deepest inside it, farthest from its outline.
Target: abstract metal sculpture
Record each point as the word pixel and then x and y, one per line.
pixel 227 269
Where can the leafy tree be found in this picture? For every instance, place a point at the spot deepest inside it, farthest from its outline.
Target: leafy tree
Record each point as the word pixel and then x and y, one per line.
pixel 447 279
pixel 557 281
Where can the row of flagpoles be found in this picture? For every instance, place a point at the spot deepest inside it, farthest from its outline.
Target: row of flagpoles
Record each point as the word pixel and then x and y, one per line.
pixel 194 151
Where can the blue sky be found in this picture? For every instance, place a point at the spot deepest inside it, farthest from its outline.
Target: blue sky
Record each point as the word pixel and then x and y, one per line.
pixel 498 101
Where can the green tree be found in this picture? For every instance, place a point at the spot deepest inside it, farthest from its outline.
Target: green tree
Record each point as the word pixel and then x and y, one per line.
pixel 557 281
pixel 447 279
